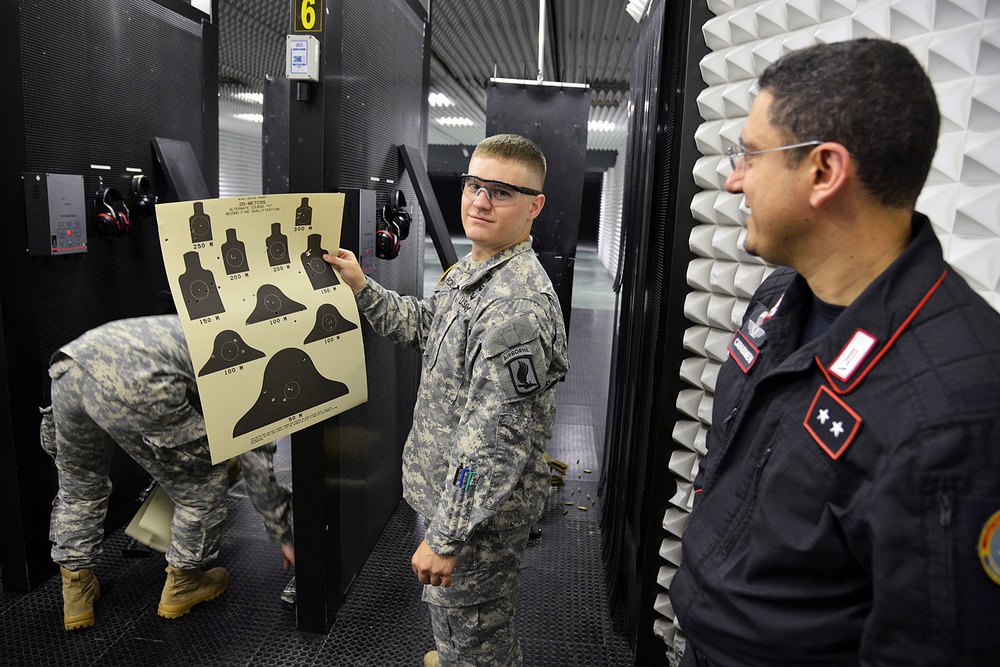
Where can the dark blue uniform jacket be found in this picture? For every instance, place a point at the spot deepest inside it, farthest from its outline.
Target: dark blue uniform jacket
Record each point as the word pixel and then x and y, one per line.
pixel 848 481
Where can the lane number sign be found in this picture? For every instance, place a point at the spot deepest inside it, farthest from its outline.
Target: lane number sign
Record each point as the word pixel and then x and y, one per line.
pixel 308 15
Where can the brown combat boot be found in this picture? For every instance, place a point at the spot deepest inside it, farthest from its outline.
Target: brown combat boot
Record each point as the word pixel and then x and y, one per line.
pixel 79 589
pixel 186 588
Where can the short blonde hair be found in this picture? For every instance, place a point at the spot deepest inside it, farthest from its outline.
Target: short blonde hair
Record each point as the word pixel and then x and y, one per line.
pixel 514 148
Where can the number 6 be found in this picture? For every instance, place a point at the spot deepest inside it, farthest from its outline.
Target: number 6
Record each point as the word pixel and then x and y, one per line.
pixel 308 14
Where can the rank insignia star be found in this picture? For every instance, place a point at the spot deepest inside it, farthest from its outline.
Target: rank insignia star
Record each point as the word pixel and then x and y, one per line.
pixel 831 422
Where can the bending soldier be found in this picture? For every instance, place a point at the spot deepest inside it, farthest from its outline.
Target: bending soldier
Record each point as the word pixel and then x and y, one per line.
pixel 132 382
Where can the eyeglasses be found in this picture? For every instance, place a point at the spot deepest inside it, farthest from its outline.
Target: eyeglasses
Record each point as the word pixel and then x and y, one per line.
pixel 737 154
pixel 498 192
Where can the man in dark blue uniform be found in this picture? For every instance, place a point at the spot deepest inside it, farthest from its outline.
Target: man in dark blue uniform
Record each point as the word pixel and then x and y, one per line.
pixel 847 511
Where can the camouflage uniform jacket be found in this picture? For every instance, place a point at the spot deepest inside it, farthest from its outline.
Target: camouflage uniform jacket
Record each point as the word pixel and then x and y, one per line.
pixel 494 346
pixel 146 363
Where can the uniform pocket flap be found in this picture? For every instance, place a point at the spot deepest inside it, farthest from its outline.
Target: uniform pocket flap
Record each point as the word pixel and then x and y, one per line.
pixel 511 335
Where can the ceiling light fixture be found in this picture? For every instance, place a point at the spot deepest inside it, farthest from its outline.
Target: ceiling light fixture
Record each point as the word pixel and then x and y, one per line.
pixel 250 117
pixel 439 100
pixel 455 121
pixel 256 98
pixel 637 9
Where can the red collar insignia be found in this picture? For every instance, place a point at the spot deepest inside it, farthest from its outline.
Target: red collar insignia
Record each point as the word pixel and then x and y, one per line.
pixel 831 422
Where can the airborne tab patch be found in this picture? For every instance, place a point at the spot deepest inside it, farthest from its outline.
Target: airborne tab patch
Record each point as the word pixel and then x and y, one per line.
pixel 831 422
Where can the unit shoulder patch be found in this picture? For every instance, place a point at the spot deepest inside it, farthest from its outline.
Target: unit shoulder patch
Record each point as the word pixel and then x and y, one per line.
pixel 989 547
pixel 516 357
pixel 522 371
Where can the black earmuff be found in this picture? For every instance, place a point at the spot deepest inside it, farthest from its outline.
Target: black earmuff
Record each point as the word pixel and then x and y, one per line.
pixel 143 199
pixel 386 240
pixel 392 227
pixel 112 214
pixel 399 214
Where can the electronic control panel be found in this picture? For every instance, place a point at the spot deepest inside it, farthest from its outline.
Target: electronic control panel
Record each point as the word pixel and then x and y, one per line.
pixel 358 232
pixel 56 212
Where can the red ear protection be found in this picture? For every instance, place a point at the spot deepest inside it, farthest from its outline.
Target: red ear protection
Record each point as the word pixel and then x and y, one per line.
pixel 112 214
pixel 393 226
pixel 387 240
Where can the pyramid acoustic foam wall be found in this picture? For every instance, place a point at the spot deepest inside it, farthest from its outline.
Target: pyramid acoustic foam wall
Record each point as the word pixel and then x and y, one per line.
pixel 958 42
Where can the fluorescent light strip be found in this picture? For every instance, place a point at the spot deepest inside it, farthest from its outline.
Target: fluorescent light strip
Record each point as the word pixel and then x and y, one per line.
pixel 256 98
pixel 439 100
pixel 456 121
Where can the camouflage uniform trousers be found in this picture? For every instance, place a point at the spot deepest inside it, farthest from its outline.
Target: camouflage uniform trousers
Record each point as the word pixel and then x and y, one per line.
pixel 473 619
pixel 88 421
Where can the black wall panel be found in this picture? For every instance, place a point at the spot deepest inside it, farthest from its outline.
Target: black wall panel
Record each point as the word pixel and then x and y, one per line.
pixel 555 118
pixel 380 108
pixel 344 133
pixel 648 345
pixel 447 163
pixel 97 79
pixel 118 73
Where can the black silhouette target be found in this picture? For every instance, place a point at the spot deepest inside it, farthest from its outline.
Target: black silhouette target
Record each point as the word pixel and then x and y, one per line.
pixel 229 350
pixel 201 294
pixel 271 303
pixel 291 385
pixel 329 322
pixel 200 224
pixel 320 273
pixel 304 214
pixel 277 246
pixel 234 254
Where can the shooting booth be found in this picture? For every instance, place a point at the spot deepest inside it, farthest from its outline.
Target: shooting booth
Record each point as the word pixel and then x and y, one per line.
pixel 89 86
pixel 345 132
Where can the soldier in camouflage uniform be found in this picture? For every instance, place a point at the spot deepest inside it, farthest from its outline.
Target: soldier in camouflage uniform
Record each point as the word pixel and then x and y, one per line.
pixel 132 382
pixel 494 347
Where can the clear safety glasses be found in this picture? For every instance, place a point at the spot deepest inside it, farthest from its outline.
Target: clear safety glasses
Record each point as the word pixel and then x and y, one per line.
pixel 497 192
